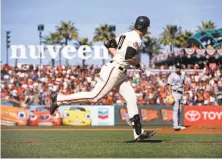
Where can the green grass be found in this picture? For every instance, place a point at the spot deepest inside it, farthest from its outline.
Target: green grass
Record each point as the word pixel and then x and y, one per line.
pixel 108 144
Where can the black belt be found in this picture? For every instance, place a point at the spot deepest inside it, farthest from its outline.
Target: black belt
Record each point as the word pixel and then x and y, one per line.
pixel 178 91
pixel 120 68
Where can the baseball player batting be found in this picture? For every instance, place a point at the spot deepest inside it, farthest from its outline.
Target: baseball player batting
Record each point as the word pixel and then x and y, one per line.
pixel 124 50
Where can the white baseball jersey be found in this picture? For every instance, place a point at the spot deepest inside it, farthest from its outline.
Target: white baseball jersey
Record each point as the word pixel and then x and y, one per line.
pixel 128 39
pixel 176 81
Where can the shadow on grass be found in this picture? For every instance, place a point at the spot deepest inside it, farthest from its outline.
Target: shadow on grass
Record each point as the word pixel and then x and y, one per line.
pixel 145 141
pixel 176 141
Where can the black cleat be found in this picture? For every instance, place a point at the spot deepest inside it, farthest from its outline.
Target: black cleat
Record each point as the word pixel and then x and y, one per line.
pixel 150 133
pixel 145 134
pixel 53 105
pixel 177 129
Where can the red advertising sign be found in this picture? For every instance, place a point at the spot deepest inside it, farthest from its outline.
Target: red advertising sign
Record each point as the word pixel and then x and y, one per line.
pixel 124 114
pixel 167 115
pixel 148 115
pixel 202 115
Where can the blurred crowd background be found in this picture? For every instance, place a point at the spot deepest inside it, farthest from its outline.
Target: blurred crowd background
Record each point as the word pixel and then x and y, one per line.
pixel 32 85
pixel 168 40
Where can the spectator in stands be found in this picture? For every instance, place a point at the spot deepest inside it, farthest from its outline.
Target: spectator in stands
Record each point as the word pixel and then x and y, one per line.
pixel 33 84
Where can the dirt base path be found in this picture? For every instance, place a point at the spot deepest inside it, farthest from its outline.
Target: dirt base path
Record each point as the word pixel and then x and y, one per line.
pixel 194 130
pixel 189 130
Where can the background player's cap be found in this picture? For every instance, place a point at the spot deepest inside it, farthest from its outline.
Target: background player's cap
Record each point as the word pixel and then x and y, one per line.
pixel 178 65
pixel 142 23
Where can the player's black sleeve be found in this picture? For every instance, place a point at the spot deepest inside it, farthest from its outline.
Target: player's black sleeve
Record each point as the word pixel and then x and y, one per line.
pixel 111 44
pixel 130 52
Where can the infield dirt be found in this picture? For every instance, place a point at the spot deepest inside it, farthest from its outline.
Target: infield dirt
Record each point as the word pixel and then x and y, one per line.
pixel 169 130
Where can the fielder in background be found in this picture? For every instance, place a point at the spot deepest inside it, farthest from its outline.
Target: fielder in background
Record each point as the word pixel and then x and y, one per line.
pixel 124 50
pixel 175 90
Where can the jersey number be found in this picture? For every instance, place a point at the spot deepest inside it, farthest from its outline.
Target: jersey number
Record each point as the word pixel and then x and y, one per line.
pixel 121 40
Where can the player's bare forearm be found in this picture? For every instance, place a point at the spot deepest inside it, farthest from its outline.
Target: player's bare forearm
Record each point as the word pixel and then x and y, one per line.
pixel 169 89
pixel 133 61
pixel 112 51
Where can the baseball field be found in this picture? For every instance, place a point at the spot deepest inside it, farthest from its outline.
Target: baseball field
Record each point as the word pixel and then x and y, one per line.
pixel 109 142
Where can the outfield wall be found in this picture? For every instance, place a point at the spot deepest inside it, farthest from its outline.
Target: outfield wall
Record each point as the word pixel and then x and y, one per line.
pixel 114 115
pixel 202 115
pixel 108 115
pixel 150 115
pixel 85 115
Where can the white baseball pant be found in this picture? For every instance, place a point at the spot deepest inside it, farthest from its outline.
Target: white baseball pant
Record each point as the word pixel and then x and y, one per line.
pixel 176 109
pixel 111 75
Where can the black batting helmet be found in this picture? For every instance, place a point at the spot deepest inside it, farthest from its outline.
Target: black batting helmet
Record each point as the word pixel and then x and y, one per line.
pixel 142 23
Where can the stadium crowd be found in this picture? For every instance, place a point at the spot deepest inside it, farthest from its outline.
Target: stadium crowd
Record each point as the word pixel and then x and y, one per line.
pixel 33 84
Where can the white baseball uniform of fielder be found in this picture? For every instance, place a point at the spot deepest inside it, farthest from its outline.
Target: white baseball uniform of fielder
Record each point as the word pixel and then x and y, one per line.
pixel 177 82
pixel 113 74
